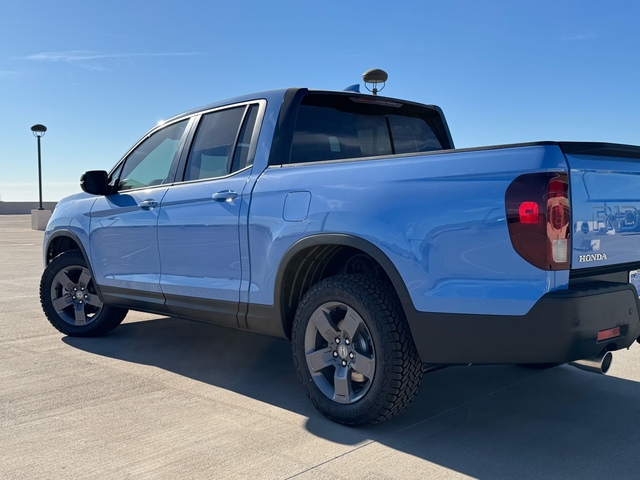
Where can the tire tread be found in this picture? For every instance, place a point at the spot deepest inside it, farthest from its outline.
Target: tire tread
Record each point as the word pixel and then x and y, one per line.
pixel 108 319
pixel 402 368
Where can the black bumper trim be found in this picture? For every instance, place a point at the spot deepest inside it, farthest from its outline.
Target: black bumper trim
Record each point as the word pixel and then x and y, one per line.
pixel 561 327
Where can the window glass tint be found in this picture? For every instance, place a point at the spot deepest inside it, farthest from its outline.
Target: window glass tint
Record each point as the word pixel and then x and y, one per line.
pixel 332 128
pixel 324 134
pixel 213 146
pixel 373 135
pixel 411 134
pixel 150 163
pixel 241 156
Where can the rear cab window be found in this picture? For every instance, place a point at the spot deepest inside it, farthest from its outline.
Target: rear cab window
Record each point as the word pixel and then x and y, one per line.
pixel 337 126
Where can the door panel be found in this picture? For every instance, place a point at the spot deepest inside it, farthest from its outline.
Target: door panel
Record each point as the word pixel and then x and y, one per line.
pixel 124 225
pixel 198 228
pixel 198 238
pixel 124 247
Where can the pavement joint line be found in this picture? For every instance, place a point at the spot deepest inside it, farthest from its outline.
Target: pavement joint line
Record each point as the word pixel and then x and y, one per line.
pixel 428 419
pixel 337 457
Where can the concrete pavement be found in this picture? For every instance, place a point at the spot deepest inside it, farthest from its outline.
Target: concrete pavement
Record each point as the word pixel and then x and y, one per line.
pixel 164 398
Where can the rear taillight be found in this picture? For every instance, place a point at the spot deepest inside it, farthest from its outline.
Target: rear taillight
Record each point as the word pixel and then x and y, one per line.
pixel 539 219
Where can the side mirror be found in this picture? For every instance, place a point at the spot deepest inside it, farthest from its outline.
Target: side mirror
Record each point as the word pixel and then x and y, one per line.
pixel 95 182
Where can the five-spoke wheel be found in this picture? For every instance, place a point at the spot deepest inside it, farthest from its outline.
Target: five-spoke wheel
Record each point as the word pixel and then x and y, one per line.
pixel 340 352
pixel 353 350
pixel 70 300
pixel 73 296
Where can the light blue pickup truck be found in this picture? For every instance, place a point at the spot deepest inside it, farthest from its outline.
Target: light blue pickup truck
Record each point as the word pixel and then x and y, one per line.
pixel 350 224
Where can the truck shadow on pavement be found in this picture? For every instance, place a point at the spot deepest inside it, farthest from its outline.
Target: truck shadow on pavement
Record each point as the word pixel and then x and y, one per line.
pixel 485 422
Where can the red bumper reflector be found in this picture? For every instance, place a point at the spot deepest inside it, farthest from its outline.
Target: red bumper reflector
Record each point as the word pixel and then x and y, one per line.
pixel 609 333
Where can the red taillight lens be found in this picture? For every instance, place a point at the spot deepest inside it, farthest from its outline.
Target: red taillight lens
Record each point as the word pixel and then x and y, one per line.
pixel 539 219
pixel 557 188
pixel 529 212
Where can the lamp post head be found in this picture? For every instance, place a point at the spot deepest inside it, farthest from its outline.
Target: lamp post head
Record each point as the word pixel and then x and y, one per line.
pixel 38 130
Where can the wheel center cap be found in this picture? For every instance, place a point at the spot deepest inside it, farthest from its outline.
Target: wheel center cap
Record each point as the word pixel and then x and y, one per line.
pixel 343 351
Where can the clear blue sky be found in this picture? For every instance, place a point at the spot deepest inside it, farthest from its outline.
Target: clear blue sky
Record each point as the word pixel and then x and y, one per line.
pixel 100 74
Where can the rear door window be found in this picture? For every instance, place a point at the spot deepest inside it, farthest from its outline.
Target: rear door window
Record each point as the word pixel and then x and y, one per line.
pixel 221 144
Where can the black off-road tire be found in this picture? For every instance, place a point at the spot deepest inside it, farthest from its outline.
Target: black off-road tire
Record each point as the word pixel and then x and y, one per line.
pixel 69 299
pixel 353 351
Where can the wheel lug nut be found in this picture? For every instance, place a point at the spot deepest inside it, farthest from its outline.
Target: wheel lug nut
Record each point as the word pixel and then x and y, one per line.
pixel 337 340
pixel 86 296
pixel 346 340
pixel 335 354
pixel 344 363
pixel 351 355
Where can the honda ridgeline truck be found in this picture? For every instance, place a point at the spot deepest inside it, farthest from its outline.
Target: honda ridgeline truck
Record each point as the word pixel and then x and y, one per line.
pixel 350 224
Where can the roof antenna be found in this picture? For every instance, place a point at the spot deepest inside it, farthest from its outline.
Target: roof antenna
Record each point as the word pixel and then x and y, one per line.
pixel 375 76
pixel 353 88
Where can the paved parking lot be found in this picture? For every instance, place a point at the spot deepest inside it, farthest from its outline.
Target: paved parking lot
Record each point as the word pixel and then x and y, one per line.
pixel 163 398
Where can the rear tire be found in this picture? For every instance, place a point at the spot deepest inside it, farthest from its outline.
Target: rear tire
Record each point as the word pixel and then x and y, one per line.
pixel 70 301
pixel 353 350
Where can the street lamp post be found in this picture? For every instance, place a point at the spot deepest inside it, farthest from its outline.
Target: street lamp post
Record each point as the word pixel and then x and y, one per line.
pixel 39 131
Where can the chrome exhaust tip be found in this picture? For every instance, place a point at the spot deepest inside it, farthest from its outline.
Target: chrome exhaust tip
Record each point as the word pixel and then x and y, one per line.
pixel 598 364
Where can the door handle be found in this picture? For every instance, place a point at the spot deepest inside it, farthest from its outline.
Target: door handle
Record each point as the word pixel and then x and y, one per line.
pixel 224 196
pixel 148 204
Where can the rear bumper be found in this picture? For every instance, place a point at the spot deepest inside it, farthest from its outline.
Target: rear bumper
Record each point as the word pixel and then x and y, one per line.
pixel 561 327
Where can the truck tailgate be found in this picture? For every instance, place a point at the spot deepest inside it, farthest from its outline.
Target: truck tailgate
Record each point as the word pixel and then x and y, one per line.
pixel 605 204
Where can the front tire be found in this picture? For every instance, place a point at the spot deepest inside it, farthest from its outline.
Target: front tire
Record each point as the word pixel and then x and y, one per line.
pixel 70 301
pixel 353 350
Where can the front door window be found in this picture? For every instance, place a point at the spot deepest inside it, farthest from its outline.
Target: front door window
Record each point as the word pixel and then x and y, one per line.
pixel 150 162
